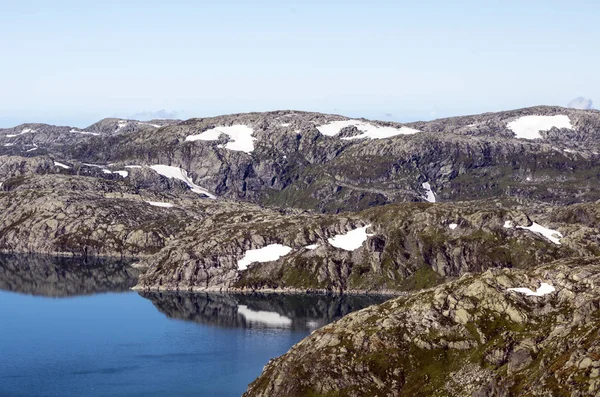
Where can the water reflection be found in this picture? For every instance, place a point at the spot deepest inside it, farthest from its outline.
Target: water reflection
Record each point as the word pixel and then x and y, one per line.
pixel 64 276
pixel 67 276
pixel 290 311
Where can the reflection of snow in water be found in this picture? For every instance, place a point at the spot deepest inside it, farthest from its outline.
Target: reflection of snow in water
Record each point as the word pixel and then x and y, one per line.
pixel 270 319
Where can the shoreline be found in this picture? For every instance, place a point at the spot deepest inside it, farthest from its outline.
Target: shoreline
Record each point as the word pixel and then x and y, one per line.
pixel 281 291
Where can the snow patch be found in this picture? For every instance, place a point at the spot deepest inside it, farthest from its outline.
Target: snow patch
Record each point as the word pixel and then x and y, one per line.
pixel 74 131
pixel 151 125
pixel 312 247
pixel 352 240
pixel 32 149
pixel 452 226
pixel 552 235
pixel 544 289
pixel 508 224
pixel 270 319
pixel 269 253
pixel 429 196
pixel 159 204
pixel 529 127
pixel 285 124
pixel 23 131
pixel 61 165
pixel 9 144
pixel 133 166
pixel 368 130
pixel 181 174
pixel 240 135
pixel 124 174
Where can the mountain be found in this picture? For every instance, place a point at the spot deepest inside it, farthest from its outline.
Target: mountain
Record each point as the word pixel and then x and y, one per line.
pixel 329 164
pixel 450 214
pixel 190 199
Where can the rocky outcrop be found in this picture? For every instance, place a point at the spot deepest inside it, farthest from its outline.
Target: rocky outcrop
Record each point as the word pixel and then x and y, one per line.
pixel 412 246
pixel 468 337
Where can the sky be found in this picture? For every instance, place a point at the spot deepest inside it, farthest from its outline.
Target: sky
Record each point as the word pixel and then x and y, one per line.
pixel 75 62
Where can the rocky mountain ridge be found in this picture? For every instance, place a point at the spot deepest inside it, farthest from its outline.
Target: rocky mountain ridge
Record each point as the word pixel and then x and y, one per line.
pixel 293 163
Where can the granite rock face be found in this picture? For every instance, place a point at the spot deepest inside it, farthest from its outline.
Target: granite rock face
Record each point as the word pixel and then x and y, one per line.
pixel 468 337
pixel 294 164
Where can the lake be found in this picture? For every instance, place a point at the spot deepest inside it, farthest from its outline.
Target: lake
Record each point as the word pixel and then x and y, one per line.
pixel 69 328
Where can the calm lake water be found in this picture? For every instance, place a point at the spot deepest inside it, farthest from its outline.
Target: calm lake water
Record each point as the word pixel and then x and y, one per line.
pixel 74 329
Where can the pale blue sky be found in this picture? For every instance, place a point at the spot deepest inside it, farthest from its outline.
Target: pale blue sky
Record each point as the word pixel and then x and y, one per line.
pixel 74 62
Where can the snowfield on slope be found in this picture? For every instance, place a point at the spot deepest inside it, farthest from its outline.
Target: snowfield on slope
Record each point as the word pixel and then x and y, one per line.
pixel 544 289
pixel 159 204
pixel 74 131
pixel 61 165
pixel 269 253
pixel 181 174
pixel 529 127
pixel 552 235
pixel 429 196
pixel 368 130
pixel 269 319
pixel 23 131
pixel 240 135
pixel 352 240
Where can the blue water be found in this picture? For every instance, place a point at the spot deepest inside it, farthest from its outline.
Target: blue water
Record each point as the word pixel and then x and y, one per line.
pixel 62 334
pixel 120 345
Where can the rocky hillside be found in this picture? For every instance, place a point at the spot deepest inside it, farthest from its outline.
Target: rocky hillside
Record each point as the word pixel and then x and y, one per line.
pixel 406 247
pixel 330 163
pixel 195 201
pixel 470 337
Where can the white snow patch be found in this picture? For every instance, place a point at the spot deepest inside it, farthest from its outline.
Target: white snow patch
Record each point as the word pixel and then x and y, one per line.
pixel 124 174
pixel 508 224
pixel 23 131
pixel 31 150
pixel 159 204
pixel 270 319
pixel 241 137
pixel 269 253
pixel 121 124
pixel 528 179
pixel 552 235
pixel 368 130
pixel 570 151
pixel 529 127
pixel 106 171
pixel 352 240
pixel 182 175
pixel 285 124
pixel 312 247
pixel 429 196
pixel 74 131
pixel 133 166
pixel 61 165
pixel 151 125
pixel 544 289
pixel 452 226
pixel 9 144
